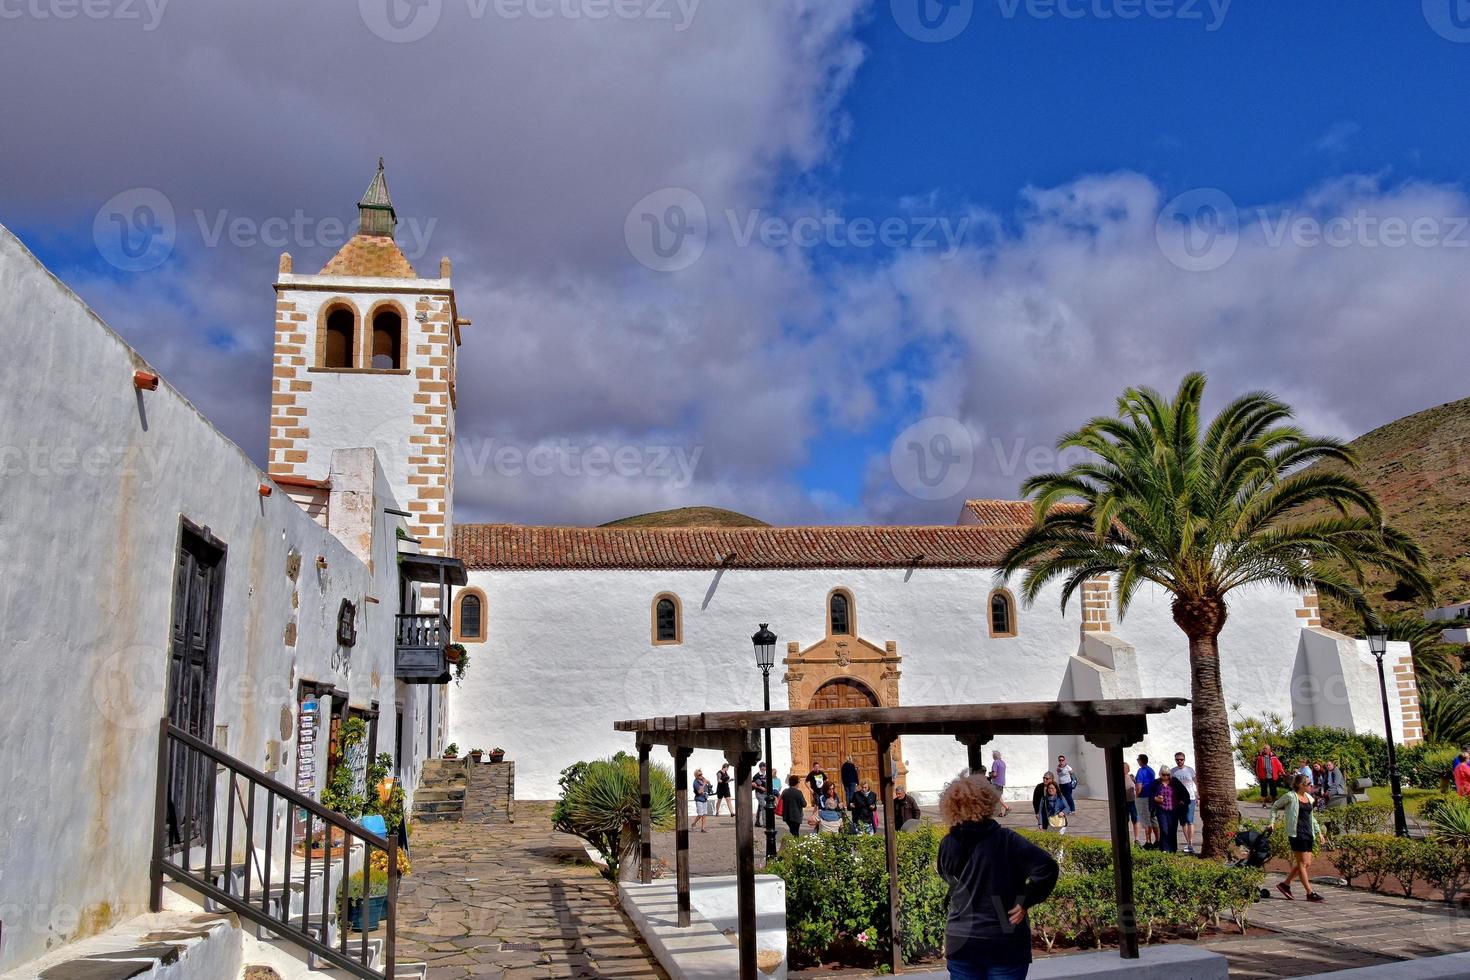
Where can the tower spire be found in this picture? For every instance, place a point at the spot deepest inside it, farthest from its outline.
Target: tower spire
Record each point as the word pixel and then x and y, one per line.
pixel 375 211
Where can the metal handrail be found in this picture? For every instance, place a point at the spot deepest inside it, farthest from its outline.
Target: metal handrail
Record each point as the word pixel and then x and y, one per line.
pixel 179 750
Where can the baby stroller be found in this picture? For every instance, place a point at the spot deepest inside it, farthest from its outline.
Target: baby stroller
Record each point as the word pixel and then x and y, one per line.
pixel 1257 844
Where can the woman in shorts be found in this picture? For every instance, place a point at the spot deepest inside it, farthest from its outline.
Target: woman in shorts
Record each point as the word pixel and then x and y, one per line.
pixel 1303 834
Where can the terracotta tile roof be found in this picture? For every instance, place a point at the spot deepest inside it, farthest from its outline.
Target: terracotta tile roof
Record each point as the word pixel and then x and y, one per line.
pixel 1001 513
pixel 370 255
pixel 516 546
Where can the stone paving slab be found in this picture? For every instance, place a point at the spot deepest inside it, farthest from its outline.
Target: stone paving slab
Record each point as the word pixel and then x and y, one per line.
pixel 513 900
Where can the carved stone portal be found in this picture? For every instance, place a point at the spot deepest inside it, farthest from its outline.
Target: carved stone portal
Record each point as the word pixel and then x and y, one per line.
pixel 864 665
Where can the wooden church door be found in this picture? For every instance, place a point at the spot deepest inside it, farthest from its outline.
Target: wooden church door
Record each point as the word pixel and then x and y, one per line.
pixel 831 744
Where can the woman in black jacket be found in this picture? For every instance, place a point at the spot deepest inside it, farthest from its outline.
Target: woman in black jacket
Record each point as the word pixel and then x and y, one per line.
pixel 1038 794
pixel 994 875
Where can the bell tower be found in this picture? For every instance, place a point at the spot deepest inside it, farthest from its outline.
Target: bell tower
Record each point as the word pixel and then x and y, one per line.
pixel 365 356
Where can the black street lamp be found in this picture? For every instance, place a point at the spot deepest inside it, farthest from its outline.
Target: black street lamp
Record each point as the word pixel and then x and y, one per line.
pixel 765 659
pixel 1378 644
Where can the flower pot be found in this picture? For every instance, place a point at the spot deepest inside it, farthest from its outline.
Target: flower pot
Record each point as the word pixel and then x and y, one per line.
pixel 497 756
pixel 374 912
pixel 476 756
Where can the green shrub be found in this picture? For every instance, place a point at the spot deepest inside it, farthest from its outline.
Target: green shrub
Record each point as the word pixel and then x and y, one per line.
pixel 1450 822
pixel 600 803
pixel 1361 855
pixel 1357 818
pixel 1424 766
pixel 1447 869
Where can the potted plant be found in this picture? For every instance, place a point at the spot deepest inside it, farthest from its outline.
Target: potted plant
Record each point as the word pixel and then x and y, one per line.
pixel 451 751
pixel 459 659
pixel 366 901
pixel 497 755
pixel 475 755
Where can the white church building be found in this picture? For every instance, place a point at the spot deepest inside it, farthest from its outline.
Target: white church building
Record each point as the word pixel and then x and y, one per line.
pixel 169 577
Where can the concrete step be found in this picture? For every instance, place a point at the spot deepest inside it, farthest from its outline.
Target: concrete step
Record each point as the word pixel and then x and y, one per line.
pixel 438 806
pixel 170 945
pixel 437 795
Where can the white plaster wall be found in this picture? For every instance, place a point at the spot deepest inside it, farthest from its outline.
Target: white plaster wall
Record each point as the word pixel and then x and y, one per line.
pixel 95 479
pixel 569 653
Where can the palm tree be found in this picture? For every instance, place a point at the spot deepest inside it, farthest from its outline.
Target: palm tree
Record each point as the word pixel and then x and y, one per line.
pixel 1201 514
pixel 1436 663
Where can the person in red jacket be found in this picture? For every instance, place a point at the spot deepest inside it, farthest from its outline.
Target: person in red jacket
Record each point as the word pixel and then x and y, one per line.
pixel 1269 771
pixel 1462 775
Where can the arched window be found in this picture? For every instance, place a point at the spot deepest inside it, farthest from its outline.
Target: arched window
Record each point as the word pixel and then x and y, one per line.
pixel 840 613
pixel 387 339
pixel 469 616
pixel 1002 613
pixel 668 620
pixel 338 348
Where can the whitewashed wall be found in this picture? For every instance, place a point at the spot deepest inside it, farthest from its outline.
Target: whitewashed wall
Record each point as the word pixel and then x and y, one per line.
pixel 569 652
pixel 96 477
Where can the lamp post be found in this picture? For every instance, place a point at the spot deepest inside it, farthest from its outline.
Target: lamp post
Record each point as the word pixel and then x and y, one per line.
pixel 1378 644
pixel 765 659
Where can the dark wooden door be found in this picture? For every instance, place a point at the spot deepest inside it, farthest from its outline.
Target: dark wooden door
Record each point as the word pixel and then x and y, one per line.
pixel 830 744
pixel 193 655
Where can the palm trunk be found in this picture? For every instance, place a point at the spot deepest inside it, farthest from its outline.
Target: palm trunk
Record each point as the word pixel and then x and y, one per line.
pixel 1214 759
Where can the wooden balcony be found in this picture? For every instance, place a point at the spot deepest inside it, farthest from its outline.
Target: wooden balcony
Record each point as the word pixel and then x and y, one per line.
pixel 419 657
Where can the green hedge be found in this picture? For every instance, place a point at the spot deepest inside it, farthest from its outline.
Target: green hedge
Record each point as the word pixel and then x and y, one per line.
pixel 1356 753
pixel 1408 859
pixel 837 887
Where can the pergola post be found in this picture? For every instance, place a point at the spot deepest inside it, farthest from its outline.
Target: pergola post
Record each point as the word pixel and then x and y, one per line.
pixel 681 830
pixel 974 743
pixel 744 862
pixel 1112 747
pixel 890 842
pixel 645 816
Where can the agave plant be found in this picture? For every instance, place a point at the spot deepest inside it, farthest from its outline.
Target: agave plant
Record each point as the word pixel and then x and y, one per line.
pixel 600 804
pixel 1450 822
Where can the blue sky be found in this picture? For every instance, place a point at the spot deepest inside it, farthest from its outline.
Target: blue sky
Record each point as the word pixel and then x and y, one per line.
pixel 802 377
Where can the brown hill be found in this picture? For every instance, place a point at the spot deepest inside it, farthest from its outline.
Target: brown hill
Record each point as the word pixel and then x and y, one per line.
pixel 1419 468
pixel 689 517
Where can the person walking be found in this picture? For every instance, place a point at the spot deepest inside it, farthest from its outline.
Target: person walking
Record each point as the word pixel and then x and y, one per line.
pixel 863 805
pixel 997 778
pixel 994 876
pixel 722 790
pixel 1038 794
pixel 758 786
pixel 1185 776
pixel 828 815
pixel 849 778
pixel 701 790
pixel 1130 793
pixel 793 805
pixel 1303 834
pixel 1145 779
pixel 1066 782
pixel 1053 812
pixel 1269 771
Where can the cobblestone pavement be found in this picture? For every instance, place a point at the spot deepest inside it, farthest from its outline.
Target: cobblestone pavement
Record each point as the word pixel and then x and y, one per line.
pixel 513 901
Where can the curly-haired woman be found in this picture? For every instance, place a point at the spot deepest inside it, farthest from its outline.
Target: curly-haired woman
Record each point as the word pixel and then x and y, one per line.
pixel 994 875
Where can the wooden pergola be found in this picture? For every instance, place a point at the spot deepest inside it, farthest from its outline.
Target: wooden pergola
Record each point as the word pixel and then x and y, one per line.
pixel 1111 725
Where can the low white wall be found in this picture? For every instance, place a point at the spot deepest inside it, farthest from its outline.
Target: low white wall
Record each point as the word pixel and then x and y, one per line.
pixel 97 477
pixel 705 949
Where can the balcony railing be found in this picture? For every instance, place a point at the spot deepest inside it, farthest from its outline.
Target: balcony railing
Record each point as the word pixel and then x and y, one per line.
pixel 421 644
